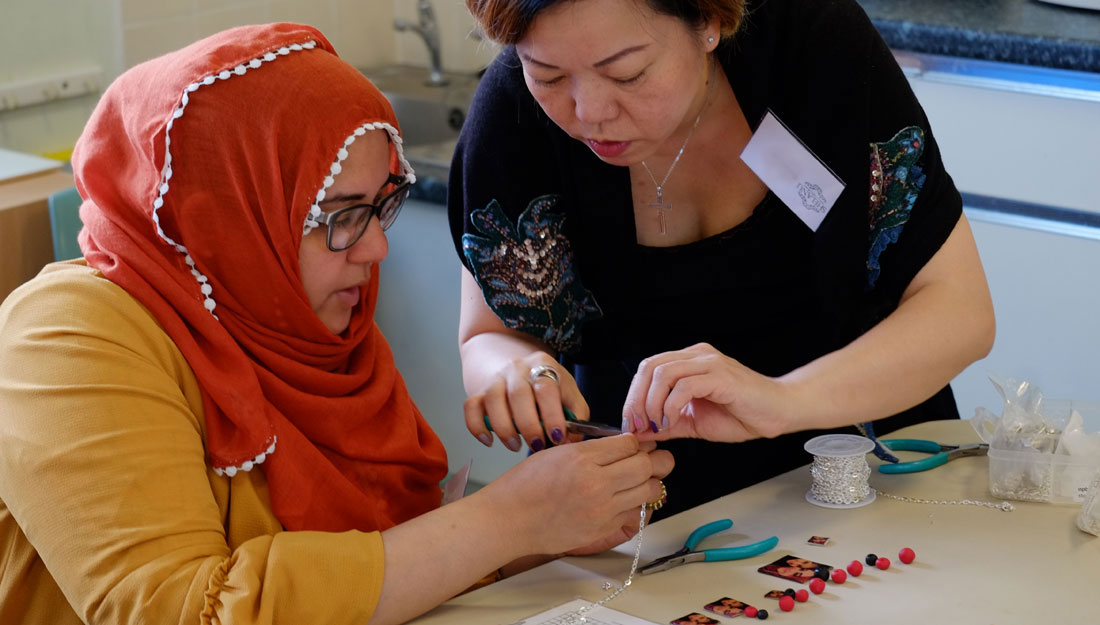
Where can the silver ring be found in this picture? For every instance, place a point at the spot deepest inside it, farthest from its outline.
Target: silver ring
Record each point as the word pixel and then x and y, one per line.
pixel 543 371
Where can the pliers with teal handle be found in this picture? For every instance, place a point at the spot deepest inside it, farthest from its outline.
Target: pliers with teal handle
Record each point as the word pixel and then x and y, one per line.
pixel 576 426
pixel 689 554
pixel 941 454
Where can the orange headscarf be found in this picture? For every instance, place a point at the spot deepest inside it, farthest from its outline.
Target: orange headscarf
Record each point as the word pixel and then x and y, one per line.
pixel 198 171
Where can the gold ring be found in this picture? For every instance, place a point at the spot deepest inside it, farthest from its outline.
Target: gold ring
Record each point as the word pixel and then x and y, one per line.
pixel 543 371
pixel 660 502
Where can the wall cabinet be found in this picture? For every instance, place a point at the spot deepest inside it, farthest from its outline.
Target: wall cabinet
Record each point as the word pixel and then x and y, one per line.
pixel 1027 139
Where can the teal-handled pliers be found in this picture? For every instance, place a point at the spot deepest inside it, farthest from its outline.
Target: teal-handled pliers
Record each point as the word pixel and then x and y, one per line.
pixel 941 454
pixel 576 426
pixel 689 554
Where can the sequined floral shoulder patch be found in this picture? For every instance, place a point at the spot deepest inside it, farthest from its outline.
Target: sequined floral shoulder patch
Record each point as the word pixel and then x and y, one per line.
pixel 526 273
pixel 896 181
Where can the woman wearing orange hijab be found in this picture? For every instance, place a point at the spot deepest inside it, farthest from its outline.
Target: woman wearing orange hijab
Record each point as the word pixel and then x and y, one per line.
pixel 200 422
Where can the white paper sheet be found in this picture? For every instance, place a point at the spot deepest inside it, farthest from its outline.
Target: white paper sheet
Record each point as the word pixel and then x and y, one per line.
pixel 565 614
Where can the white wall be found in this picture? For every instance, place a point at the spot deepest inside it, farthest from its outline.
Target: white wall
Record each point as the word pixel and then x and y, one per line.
pixel 1046 297
pixel 40 38
pixel 45 38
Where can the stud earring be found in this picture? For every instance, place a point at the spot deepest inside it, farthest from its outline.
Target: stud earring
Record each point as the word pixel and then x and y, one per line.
pixel 710 39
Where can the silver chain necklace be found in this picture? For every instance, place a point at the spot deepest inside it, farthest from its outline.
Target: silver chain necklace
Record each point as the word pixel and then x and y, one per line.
pixel 1004 506
pixel 580 615
pixel 660 204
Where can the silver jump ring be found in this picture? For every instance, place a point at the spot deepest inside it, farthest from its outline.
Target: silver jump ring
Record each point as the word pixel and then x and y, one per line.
pixel 543 371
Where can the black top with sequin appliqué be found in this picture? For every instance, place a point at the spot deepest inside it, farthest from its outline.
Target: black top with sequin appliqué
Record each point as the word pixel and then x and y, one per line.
pixel 768 292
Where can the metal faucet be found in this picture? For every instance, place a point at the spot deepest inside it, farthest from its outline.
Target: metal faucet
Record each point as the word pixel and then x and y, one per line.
pixel 428 30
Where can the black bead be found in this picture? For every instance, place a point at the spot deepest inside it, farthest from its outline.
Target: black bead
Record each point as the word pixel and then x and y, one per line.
pixel 871 559
pixel 822 573
pixel 762 615
pixel 789 592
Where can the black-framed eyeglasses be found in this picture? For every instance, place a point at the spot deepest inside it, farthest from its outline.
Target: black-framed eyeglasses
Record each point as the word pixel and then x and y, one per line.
pixel 347 225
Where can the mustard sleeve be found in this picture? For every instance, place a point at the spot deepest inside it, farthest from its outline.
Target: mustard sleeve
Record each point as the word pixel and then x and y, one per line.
pixel 102 465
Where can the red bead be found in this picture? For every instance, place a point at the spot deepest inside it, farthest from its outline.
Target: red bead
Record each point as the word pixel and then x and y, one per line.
pixel 801 595
pixel 750 612
pixel 883 563
pixel 855 568
pixel 839 576
pixel 786 603
pixel 817 585
pixel 907 555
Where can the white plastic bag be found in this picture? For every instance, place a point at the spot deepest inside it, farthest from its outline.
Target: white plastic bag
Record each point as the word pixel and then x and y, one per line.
pixel 1089 518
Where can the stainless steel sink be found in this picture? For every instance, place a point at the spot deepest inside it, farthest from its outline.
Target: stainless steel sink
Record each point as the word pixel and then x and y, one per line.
pixel 430 116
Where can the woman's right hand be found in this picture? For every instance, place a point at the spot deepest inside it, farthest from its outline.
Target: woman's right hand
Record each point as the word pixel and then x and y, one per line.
pixel 519 405
pixel 574 496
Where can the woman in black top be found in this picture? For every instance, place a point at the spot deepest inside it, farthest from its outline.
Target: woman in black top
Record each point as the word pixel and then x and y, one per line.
pixel 610 230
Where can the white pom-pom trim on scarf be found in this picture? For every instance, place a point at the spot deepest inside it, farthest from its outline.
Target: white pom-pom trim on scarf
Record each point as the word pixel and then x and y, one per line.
pixel 166 171
pixel 341 154
pixel 248 465
pixel 163 187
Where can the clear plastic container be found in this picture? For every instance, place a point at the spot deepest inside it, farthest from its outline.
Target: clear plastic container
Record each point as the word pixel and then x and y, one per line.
pixel 1089 518
pixel 1034 476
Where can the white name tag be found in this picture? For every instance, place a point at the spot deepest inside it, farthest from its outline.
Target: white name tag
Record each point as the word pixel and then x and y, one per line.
pixel 792 172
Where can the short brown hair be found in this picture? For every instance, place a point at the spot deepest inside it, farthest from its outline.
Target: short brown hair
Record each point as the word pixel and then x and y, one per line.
pixel 507 21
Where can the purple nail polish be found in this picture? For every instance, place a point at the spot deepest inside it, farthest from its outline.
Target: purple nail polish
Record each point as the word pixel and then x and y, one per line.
pixel 536 444
pixel 485 439
pixel 639 425
pixel 556 435
pixel 512 443
pixel 626 425
pixel 653 427
pixel 664 423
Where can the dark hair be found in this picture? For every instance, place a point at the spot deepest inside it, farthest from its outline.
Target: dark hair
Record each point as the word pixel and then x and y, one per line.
pixel 507 21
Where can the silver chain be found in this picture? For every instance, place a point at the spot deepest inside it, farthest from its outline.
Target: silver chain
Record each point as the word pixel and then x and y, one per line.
pixel 578 616
pixel 842 480
pixel 661 186
pixel 1004 506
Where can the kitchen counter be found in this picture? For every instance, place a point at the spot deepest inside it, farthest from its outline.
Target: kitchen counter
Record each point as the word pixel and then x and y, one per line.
pixel 1025 32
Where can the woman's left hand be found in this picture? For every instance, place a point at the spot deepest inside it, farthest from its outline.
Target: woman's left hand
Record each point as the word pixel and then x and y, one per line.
pixel 699 392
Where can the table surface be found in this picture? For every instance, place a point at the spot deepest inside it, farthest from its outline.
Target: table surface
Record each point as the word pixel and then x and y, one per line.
pixel 974 564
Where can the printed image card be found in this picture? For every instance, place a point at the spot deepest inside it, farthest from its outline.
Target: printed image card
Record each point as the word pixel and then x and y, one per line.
pixel 726 607
pixel 820 541
pixel 694 619
pixel 794 568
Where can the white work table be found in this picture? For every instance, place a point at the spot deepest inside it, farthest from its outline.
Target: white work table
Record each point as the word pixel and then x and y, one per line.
pixel 974 564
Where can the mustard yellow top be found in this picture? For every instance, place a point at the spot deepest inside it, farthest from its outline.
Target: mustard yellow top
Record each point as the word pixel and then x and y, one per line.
pixel 109 512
